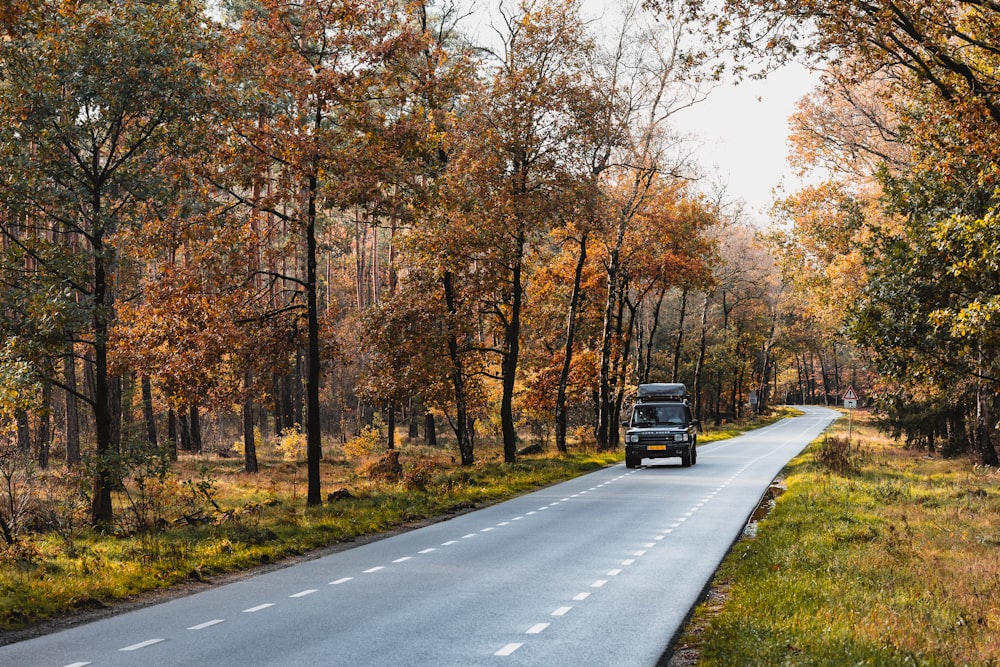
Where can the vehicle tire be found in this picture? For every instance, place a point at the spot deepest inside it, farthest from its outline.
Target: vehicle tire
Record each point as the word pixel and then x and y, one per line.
pixel 632 461
pixel 694 453
pixel 686 459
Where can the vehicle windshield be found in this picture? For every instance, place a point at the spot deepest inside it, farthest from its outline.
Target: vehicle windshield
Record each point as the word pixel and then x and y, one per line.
pixel 651 415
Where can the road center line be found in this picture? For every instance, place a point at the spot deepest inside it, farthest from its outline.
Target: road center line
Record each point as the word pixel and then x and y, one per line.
pixel 561 611
pixel 207 624
pixel 536 628
pixel 580 597
pixel 599 583
pixel 374 569
pixel 78 664
pixel 136 647
pixel 259 607
pixel 426 551
pixel 508 649
pixel 628 561
pixel 342 580
pixel 302 594
pixel 403 559
pixel 614 573
pixel 448 543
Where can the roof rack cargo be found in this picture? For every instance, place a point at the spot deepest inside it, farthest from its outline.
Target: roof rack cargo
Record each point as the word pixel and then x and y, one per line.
pixel 662 391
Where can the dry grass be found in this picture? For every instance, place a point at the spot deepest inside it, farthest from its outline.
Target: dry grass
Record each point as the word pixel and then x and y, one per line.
pixel 886 557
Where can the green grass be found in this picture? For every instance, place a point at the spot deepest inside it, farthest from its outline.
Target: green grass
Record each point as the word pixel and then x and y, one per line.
pixel 890 557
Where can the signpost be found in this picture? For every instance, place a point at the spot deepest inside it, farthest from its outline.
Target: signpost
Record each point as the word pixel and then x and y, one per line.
pixel 850 404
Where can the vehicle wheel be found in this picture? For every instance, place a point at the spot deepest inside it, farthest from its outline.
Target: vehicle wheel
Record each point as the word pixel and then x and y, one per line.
pixel 632 461
pixel 686 459
pixel 694 453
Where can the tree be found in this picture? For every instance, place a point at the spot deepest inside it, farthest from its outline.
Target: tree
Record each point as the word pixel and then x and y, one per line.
pixel 95 99
pixel 317 78
pixel 518 142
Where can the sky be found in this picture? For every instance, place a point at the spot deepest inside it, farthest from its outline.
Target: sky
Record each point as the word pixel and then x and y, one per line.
pixel 742 133
pixel 740 130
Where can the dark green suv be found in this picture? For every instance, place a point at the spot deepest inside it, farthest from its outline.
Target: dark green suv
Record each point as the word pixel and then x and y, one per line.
pixel 661 426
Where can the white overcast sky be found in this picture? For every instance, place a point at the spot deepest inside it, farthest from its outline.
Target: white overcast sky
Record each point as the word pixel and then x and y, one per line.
pixel 740 131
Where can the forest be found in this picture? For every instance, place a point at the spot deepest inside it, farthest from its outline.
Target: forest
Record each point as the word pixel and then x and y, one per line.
pixel 341 218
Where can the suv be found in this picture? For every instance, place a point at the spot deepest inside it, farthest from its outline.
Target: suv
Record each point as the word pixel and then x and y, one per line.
pixel 661 426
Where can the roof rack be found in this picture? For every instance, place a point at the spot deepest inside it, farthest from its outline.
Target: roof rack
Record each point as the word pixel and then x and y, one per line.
pixel 662 391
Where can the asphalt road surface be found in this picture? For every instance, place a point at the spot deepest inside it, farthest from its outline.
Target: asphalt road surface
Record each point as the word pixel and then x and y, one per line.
pixel 600 570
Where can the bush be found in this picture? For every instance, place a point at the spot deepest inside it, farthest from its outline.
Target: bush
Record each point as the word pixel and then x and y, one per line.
pixel 367 444
pixel 838 455
pixel 292 444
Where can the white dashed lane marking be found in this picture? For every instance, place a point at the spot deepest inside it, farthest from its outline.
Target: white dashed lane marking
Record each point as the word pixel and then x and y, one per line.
pixel 508 649
pixel 136 647
pixel 561 611
pixel 302 594
pixel 207 624
pixel 260 607
pixel 374 569
pixel 536 628
pixel 342 580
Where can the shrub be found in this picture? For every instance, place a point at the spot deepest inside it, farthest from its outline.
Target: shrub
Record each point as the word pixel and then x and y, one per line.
pixel 837 455
pixel 292 444
pixel 367 444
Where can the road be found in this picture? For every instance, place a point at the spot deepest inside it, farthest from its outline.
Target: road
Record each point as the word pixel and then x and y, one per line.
pixel 600 570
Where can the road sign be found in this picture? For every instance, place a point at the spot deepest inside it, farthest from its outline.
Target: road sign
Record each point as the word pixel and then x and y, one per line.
pixel 851 399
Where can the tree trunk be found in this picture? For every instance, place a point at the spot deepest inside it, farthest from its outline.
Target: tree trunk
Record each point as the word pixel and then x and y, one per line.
pixel 44 441
pixel 699 367
pixel 23 433
pixel 314 447
pixel 102 514
pixel 430 430
pixel 574 304
pixel 172 433
pixel 196 444
pixel 511 351
pixel 249 441
pixel 147 411
pixel 680 332
pixel 984 425
pixel 461 426
pixel 390 423
pixel 72 410
pixel 413 419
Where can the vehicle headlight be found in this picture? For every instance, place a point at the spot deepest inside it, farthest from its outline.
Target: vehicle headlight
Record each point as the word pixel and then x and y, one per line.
pixel 684 438
pixel 632 438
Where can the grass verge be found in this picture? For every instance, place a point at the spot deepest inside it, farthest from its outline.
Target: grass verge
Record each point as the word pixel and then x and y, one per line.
pixel 875 555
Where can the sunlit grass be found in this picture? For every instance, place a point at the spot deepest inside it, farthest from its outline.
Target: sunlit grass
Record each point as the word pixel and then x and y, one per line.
pixel 896 562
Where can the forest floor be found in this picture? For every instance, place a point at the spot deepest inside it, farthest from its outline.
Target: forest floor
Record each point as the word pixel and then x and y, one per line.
pixel 873 554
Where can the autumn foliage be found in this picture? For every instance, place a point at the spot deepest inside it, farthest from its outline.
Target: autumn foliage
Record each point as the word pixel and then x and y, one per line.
pixel 326 217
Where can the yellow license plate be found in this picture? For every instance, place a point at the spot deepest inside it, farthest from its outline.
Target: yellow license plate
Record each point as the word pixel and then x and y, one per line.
pixel 657 448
